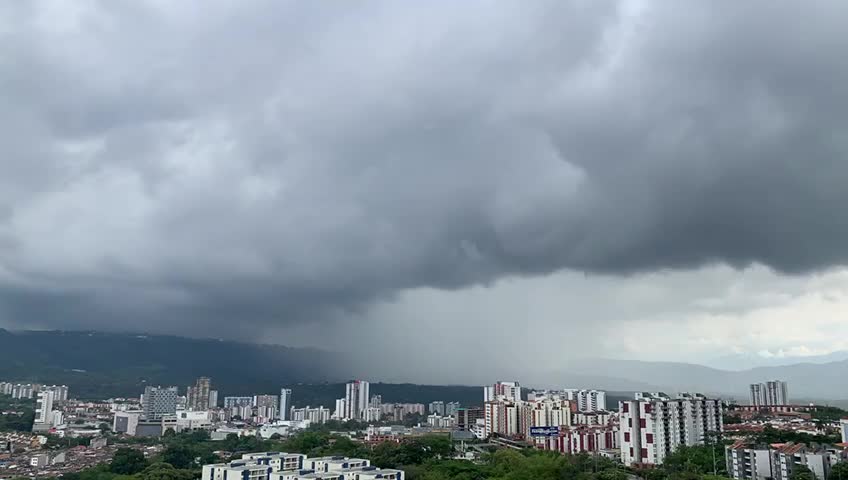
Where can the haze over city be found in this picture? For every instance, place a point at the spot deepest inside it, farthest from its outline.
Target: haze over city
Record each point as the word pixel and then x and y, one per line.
pixel 500 185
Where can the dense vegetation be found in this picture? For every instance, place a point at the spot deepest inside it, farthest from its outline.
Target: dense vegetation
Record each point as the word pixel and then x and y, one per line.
pixel 19 415
pixel 426 458
pixel 828 414
pixel 772 435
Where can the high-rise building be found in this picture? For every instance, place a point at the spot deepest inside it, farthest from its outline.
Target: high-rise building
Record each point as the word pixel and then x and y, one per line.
pixel 588 400
pixel 60 392
pixel 770 393
pixel 437 407
pixel 502 391
pixel 44 410
pixel 340 410
pixel 503 417
pixel 285 403
pixel 159 402
pixel 466 418
pixel 654 425
pixel 356 399
pixel 551 411
pixel 317 415
pixel 758 394
pixel 451 408
pixel 230 402
pixel 266 406
pixel 197 397
pixel 213 398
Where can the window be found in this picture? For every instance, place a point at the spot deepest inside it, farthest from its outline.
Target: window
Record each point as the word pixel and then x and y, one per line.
pixel 630 422
pixel 625 407
pixel 647 408
pixel 626 436
pixel 649 437
pixel 644 453
pixel 642 422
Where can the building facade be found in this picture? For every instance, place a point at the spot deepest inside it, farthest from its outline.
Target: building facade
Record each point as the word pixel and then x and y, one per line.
pixel 653 425
pixel 357 396
pixel 159 402
pixel 285 403
pixel 197 396
pixel 771 393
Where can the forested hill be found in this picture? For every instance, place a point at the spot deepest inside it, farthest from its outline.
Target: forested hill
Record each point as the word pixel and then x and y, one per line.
pixel 105 364
pixel 101 365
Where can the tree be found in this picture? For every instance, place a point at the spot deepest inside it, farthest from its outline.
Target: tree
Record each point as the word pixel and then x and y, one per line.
pixel 839 471
pixel 127 461
pixel 179 456
pixel 164 471
pixel 801 472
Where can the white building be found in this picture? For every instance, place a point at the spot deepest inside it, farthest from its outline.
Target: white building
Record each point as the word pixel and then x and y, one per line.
pixel 770 393
pixel 581 439
pixel 159 402
pixel 285 403
pixel 548 411
pixel 654 425
pixel 373 414
pixel 334 464
pixel 44 411
pixel 502 391
pixel 785 458
pixel 438 421
pixel 254 466
pixel 372 473
pixel 601 417
pixel 437 408
pixel 588 400
pixel 317 415
pixel 266 407
pixel 193 420
pixel 126 422
pixel 230 402
pixel 356 399
pixel 502 418
pixel 341 408
pixel 843 425
pixel 745 462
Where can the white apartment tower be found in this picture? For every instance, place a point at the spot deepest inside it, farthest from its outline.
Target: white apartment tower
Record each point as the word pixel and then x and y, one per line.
pixel 356 399
pixel 654 425
pixel 588 400
pixel 44 409
pixel 285 403
pixel 502 391
pixel 771 393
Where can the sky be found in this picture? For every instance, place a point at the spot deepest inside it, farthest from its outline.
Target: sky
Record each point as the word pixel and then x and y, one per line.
pixel 484 183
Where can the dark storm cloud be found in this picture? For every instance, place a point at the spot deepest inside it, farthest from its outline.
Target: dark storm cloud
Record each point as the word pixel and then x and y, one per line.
pixel 269 162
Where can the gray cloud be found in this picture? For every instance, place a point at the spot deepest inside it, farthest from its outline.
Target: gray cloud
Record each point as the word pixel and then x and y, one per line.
pixel 276 162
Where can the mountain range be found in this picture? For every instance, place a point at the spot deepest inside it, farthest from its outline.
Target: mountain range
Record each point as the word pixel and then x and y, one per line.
pixel 97 364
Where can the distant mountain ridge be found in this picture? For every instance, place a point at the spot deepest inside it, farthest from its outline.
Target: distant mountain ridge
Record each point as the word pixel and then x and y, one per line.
pixel 117 364
pixel 113 364
pixel 746 361
pixel 807 381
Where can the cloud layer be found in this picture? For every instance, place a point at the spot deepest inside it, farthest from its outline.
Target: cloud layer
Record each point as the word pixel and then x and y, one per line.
pixel 177 168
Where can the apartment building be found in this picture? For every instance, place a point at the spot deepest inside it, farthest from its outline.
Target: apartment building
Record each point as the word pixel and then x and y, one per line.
pixel 655 425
